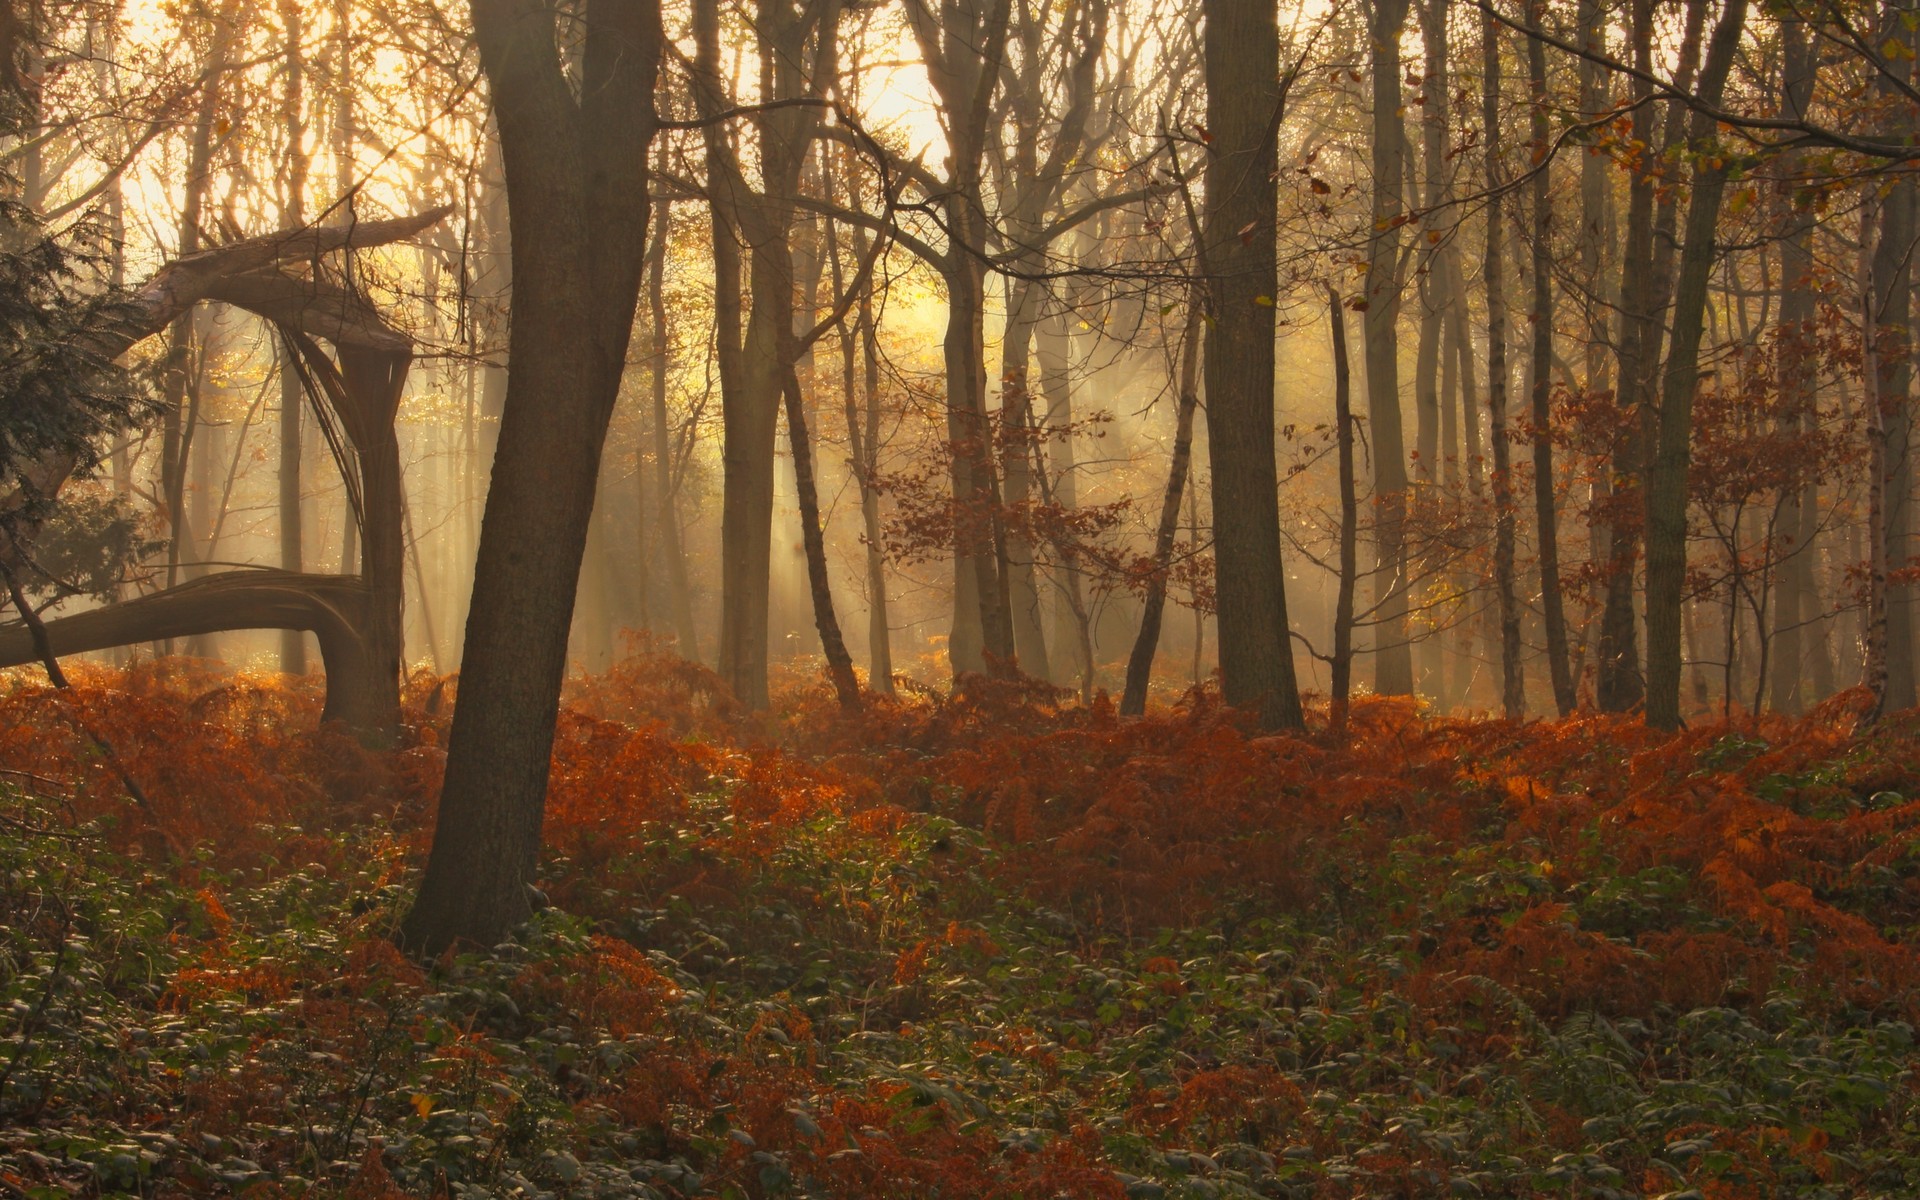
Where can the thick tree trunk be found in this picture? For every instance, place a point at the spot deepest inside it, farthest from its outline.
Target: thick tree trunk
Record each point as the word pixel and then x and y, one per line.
pixel 982 636
pixel 1891 327
pixel 1393 651
pixel 1646 262
pixel 1873 373
pixel 1667 477
pixel 1596 300
pixel 577 175
pixel 1472 460
pixel 964 47
pixel 1242 52
pixel 1619 686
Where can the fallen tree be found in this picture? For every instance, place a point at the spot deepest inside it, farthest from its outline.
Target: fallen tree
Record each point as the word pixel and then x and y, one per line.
pixel 356 392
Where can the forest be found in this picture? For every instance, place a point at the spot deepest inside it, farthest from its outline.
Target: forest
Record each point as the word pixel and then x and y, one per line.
pixel 1127 599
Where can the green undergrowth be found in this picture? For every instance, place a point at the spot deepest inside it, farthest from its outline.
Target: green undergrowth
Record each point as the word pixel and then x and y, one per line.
pixel 837 1006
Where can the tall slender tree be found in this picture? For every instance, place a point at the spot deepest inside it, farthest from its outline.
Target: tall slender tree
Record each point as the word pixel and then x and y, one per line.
pixel 1667 473
pixel 1513 697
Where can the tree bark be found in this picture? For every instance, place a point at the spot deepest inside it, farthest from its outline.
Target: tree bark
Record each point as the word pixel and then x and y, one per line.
pixel 1873 373
pixel 1513 698
pixel 964 47
pixel 846 687
pixel 1432 424
pixel 1072 641
pixel 860 345
pixel 1133 701
pixel 753 367
pixel 577 180
pixel 362 393
pixel 1021 446
pixel 1393 650
pixel 1341 664
pixel 1540 385
pixel 1891 327
pixel 332 607
pixel 1667 477
pixel 1797 603
pixel 1242 51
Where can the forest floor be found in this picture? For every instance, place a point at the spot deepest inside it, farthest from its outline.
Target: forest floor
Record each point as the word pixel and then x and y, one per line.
pixel 984 947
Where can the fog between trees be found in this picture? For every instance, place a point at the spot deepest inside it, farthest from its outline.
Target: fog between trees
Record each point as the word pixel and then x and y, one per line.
pixel 1626 289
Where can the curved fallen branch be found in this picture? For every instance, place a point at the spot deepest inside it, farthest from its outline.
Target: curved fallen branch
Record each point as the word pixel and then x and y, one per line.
pixel 334 608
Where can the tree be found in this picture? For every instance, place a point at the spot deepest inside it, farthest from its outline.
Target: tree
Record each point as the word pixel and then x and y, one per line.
pixel 1667 476
pixel 964 46
pixel 1540 381
pixel 1245 104
pixel 1513 697
pixel 62 395
pixel 1393 652
pixel 356 618
pixel 577 190
pixel 1797 605
pixel 755 360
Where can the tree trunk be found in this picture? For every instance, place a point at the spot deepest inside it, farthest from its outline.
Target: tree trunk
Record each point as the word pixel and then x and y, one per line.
pixel 860 345
pixel 964 47
pixel 577 178
pixel 1797 603
pixel 1341 666
pixel 361 644
pixel 1072 640
pixel 752 371
pixel 1873 373
pixel 1667 478
pixel 1513 699
pixel 360 694
pixel 1431 424
pixel 1133 701
pixel 982 635
pixel 1020 440
pixel 846 688
pixel 1891 328
pixel 1242 51
pixel 1540 370
pixel 1393 651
